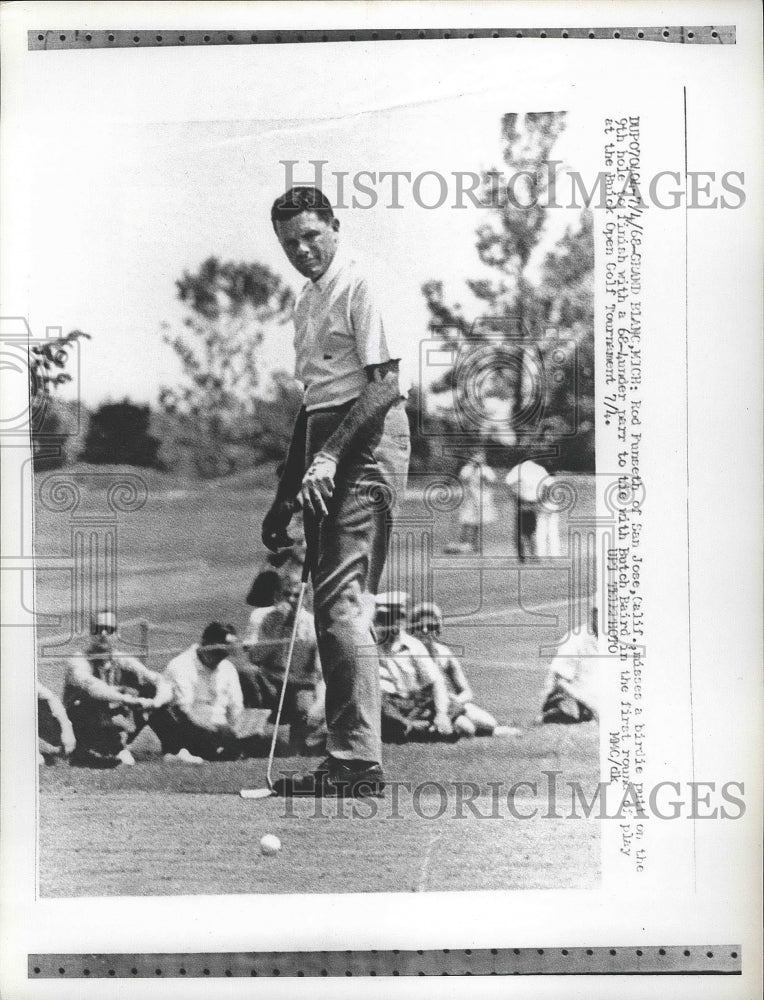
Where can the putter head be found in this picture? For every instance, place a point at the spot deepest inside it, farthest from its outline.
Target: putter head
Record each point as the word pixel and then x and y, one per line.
pixel 256 793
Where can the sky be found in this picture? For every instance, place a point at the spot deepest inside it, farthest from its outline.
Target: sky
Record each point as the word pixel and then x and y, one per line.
pixel 138 176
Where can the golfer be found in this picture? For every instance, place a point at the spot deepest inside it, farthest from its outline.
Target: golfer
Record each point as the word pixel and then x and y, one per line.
pixel 347 465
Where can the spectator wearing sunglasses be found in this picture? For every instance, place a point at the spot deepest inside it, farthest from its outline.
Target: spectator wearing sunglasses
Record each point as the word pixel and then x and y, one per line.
pixel 107 696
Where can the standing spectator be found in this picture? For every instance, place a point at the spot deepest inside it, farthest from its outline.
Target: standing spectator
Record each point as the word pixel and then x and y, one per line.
pixel 477 509
pixel 537 526
pixel 267 643
pixel 55 736
pixel 202 720
pixel 107 697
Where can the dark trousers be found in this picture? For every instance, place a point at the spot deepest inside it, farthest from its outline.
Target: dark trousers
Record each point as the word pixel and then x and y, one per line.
pixel 176 731
pixel 527 522
pixel 560 707
pixel 348 550
pixel 410 718
pixel 102 727
pixel 48 731
pixel 260 690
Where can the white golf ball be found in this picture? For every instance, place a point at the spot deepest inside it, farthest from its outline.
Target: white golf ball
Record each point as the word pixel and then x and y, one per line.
pixel 270 844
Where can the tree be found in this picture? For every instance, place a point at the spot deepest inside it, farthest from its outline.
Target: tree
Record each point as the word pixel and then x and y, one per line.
pixel 274 417
pixel 568 307
pixel 118 434
pixel 47 363
pixel 508 239
pixel 229 306
pixel 518 310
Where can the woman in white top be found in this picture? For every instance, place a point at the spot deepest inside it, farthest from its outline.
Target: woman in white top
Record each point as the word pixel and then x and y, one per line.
pixel 478 508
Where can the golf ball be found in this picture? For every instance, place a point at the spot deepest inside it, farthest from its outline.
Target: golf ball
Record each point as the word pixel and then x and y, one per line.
pixel 270 844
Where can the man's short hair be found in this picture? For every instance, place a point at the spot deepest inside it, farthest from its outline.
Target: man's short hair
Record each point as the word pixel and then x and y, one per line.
pixel 302 198
pixel 217 634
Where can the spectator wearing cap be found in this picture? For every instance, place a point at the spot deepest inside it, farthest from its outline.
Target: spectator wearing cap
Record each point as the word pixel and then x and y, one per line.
pixel 415 701
pixel 202 720
pixel 107 696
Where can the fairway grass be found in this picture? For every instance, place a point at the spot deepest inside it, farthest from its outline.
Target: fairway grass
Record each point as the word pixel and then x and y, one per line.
pixel 188 556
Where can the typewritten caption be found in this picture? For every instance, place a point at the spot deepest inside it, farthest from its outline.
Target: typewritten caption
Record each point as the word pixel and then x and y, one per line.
pixel 622 420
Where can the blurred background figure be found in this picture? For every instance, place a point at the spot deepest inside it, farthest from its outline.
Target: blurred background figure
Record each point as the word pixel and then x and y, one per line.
pixel 107 696
pixel 538 531
pixel 267 645
pixel 572 691
pixel 55 736
pixel 426 625
pixel 478 508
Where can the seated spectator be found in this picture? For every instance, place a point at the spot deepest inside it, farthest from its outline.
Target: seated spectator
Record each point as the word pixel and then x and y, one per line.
pixel 571 693
pixel 415 701
pixel 55 736
pixel 107 697
pixel 426 625
pixel 267 644
pixel 200 723
pixel 266 589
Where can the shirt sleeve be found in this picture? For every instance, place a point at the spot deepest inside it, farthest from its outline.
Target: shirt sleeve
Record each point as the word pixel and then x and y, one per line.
pixel 456 672
pixel 368 325
pixel 143 674
pixel 254 626
pixel 430 673
pixel 79 676
pixel 513 478
pixel 235 705
pixel 380 331
pixel 182 686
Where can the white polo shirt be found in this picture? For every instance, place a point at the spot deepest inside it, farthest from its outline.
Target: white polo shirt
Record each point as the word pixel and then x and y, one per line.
pixel 405 666
pixel 526 479
pixel 342 324
pixel 211 697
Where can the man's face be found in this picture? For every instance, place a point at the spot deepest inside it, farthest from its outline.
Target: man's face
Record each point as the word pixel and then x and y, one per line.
pixel 309 242
pixel 213 657
pixel 102 642
pixel 290 591
pixel 388 624
pixel 426 629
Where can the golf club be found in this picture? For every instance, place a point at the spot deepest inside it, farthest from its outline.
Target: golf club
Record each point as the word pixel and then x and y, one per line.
pixel 264 793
